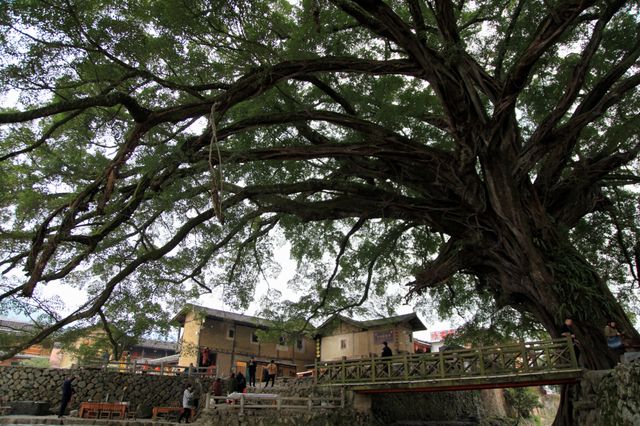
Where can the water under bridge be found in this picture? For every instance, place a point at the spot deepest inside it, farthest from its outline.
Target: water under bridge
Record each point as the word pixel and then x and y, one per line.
pixel 508 365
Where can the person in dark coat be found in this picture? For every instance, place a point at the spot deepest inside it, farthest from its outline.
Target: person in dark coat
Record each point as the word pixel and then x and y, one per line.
pixel 386 350
pixel 566 330
pixel 67 393
pixel 252 372
pixel 233 384
pixel 217 387
pixel 241 383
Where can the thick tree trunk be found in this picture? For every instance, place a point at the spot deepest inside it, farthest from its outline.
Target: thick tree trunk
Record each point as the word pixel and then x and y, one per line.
pixel 556 283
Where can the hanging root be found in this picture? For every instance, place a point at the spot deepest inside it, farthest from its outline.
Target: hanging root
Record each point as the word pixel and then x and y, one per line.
pixel 216 175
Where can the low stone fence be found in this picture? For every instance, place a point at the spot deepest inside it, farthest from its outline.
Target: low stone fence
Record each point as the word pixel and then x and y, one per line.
pixel 38 384
pixel 609 397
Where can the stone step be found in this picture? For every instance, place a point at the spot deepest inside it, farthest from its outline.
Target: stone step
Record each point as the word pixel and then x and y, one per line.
pixel 630 356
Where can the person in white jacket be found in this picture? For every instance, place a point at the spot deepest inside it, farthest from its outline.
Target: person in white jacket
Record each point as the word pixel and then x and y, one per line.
pixel 187 404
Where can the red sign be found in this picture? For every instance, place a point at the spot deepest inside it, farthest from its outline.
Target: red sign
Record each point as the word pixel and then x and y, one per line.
pixel 438 336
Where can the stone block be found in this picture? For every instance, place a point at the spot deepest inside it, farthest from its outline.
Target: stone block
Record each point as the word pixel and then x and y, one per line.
pixel 31 408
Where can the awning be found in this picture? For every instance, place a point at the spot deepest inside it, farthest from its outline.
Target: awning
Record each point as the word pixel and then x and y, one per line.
pixel 171 359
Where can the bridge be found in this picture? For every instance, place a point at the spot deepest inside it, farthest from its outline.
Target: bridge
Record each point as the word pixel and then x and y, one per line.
pixel 508 365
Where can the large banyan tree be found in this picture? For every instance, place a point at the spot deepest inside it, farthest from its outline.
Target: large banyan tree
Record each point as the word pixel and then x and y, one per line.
pixel 173 143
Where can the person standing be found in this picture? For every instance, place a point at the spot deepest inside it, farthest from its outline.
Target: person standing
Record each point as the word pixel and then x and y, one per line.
pixel 241 383
pixel 252 372
pixel 386 350
pixel 265 376
pixel 105 359
pixel 217 387
pixel 233 384
pixel 67 393
pixel 567 331
pixel 272 369
pixel 614 338
pixel 187 404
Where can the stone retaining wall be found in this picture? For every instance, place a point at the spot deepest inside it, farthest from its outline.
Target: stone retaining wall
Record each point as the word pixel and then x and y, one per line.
pixel 268 417
pixel 38 384
pixel 609 397
pixel 463 407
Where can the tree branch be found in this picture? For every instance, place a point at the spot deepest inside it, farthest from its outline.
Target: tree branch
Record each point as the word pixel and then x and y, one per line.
pixel 548 32
pixel 448 263
pixel 344 103
pixel 138 112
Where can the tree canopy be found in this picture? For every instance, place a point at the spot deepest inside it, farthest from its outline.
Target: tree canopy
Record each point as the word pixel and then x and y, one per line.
pixel 480 152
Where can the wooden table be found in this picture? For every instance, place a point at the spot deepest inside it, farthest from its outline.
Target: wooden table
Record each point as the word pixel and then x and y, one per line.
pixel 112 407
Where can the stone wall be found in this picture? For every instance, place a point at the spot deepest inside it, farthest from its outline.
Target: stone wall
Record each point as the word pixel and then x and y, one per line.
pixel 37 384
pixel 609 397
pixel 460 407
pixel 266 417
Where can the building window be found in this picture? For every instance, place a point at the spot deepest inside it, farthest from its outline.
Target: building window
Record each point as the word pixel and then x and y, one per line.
pixel 343 344
pixel 299 344
pixel 231 333
pixel 410 338
pixel 282 341
pixel 254 338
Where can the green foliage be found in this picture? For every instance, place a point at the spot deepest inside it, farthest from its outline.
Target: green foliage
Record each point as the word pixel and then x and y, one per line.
pixel 36 362
pixel 364 152
pixel 522 401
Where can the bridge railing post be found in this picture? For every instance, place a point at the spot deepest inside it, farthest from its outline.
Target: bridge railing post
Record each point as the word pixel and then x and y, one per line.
pixel 406 367
pixel 572 352
pixel 374 370
pixel 525 356
pixel 481 360
pixel 547 353
pixel 344 371
pixel 441 364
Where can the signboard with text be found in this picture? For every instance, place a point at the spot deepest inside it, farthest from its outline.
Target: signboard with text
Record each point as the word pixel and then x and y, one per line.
pixel 382 336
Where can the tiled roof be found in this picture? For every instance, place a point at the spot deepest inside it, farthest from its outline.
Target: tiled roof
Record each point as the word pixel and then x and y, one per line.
pixel 412 319
pixel 222 315
pixel 156 344
pixel 15 326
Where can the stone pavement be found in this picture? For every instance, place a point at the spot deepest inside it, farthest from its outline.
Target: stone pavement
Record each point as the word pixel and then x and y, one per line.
pixel 54 420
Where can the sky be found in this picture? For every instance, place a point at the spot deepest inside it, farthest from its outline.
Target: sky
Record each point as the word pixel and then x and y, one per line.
pixel 73 297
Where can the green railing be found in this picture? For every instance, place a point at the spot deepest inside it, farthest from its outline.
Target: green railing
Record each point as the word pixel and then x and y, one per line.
pixel 516 359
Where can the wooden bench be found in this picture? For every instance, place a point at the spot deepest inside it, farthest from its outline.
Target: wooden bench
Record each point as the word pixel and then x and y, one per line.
pixel 167 412
pixel 103 410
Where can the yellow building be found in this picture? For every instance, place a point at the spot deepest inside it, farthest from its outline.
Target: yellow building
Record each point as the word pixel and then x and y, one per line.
pixel 344 338
pixel 11 332
pixel 229 340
